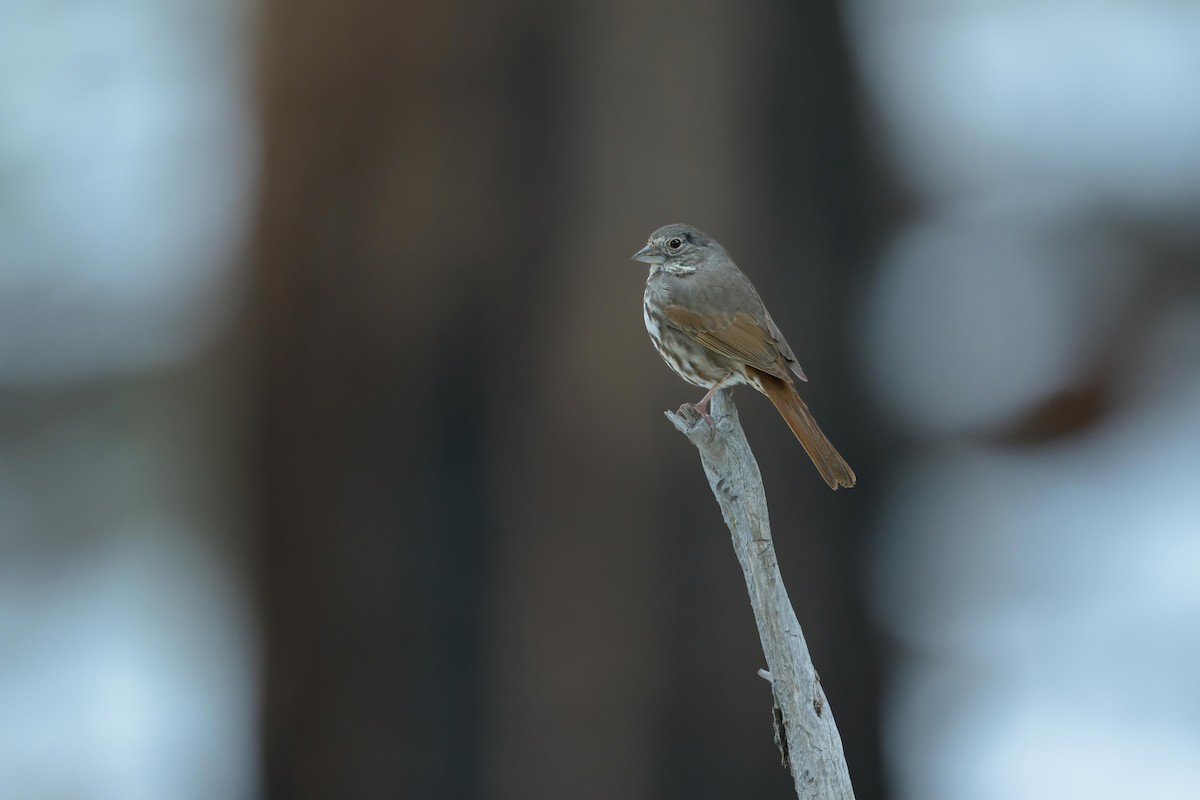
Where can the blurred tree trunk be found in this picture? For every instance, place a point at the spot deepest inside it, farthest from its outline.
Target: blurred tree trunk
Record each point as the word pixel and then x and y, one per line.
pixel 386 195
pixel 466 593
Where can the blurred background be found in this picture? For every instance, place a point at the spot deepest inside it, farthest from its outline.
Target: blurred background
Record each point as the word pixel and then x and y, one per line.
pixel 332 461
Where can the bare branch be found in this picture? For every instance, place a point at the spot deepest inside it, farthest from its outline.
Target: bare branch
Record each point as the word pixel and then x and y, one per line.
pixel 809 740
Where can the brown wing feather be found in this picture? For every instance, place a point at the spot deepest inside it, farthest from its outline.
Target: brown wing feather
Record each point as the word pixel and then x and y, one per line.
pixel 736 335
pixel 784 348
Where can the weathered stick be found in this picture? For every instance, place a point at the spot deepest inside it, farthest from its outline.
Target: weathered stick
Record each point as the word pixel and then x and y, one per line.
pixel 809 740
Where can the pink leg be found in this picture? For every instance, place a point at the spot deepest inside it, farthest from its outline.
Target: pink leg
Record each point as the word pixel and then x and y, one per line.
pixel 702 406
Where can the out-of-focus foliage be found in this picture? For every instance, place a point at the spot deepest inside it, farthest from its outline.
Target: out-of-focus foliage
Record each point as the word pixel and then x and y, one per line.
pixel 1033 330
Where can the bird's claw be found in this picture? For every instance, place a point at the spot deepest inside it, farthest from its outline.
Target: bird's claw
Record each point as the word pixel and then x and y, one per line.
pixel 699 411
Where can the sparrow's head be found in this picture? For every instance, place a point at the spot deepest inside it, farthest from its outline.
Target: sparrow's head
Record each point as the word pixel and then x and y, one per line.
pixel 678 248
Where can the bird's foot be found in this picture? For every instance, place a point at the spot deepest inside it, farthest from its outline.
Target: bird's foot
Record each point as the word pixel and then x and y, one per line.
pixel 702 407
pixel 698 408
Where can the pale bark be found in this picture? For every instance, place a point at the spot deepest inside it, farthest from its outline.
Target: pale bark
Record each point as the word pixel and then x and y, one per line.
pixel 809 737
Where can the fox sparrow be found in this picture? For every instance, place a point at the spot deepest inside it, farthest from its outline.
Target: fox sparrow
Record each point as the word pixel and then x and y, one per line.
pixel 708 323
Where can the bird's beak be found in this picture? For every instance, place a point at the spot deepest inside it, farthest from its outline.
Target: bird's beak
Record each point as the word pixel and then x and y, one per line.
pixel 650 255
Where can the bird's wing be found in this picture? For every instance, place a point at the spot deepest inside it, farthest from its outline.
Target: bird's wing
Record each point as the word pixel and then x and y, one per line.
pixel 736 335
pixel 784 348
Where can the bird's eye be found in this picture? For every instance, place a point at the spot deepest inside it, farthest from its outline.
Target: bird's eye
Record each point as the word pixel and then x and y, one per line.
pixel 675 244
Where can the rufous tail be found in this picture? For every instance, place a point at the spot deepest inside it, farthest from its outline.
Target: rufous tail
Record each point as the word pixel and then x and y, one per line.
pixel 829 461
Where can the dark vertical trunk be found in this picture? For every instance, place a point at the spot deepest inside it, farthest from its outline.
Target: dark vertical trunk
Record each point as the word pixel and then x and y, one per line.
pixel 465 592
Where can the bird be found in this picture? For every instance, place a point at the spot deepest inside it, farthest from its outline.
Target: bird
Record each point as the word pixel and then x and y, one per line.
pixel 709 324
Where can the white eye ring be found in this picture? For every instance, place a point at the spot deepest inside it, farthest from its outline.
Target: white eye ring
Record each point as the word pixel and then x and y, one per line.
pixel 675 244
